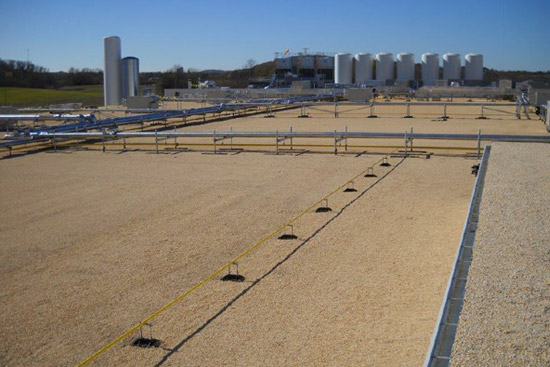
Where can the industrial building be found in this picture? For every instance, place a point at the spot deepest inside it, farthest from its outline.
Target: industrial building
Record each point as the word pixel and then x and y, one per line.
pixel 317 68
pixel 361 69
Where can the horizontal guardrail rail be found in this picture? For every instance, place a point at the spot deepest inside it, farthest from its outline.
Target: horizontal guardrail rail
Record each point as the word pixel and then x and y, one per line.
pixel 296 134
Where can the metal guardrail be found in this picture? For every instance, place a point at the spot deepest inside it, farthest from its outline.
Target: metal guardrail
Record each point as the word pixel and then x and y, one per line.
pixel 440 349
pixel 162 115
pixel 336 137
pixel 295 134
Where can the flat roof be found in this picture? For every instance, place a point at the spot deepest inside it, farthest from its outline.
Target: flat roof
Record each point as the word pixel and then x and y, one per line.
pixel 505 320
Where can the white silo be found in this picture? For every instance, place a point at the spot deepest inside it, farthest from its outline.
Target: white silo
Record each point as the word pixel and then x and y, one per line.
pixel 343 64
pixel 363 67
pixel 384 66
pixel 473 67
pixel 405 66
pixel 130 77
pixel 111 70
pixel 451 66
pixel 430 68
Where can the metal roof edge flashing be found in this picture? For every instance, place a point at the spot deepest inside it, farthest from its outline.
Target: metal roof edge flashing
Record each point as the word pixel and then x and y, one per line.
pixel 439 352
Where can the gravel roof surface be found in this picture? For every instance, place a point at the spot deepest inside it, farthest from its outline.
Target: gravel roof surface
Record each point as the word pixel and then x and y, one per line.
pixel 92 243
pixel 363 288
pixel 505 320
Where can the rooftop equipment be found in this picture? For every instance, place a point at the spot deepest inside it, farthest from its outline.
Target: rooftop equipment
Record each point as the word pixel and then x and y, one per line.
pixel 112 71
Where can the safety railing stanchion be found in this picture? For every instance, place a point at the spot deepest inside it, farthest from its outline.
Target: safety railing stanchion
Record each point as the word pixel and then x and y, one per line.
pixel 479 143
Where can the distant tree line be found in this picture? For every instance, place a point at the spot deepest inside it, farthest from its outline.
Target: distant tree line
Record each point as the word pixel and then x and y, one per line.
pixel 176 77
pixel 15 73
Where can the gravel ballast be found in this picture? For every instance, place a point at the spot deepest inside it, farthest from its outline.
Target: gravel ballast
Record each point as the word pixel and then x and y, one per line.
pixel 93 243
pixel 505 320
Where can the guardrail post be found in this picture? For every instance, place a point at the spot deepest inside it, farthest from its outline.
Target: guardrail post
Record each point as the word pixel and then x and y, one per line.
pixel 335 143
pixel 346 139
pixel 124 143
pixel 215 141
pixel 479 143
pixel 408 115
pixel 335 109
pixel 411 139
pixel 102 140
pixel 291 142
pixel 372 115
pixel 405 143
pixel 231 138
pixel 277 141
pixel 156 142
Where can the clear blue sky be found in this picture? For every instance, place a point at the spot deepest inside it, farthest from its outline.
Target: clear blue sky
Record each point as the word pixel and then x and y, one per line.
pixel 223 34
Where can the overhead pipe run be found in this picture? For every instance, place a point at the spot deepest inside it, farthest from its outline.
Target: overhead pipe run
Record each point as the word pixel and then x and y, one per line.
pixel 91 123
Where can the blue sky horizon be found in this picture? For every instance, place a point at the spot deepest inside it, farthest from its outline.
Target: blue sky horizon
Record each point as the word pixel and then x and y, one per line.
pixel 216 34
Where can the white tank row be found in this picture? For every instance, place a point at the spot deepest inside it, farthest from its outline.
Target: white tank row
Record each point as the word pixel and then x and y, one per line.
pixel 343 67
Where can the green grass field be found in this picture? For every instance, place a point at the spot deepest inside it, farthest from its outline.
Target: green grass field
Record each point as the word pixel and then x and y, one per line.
pixel 86 94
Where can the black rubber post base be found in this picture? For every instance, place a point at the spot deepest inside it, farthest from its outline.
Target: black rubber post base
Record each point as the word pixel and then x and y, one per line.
pixel 288 236
pixel 233 278
pixel 323 209
pixel 146 343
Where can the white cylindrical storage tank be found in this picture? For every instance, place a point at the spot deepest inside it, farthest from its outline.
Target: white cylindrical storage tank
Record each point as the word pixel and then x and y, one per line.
pixel 473 67
pixel 430 68
pixel 451 66
pixel 130 77
pixel 384 66
pixel 405 66
pixel 111 70
pixel 363 67
pixel 343 68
